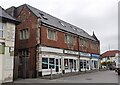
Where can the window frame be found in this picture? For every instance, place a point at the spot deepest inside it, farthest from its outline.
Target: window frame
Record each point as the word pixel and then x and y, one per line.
pixel 45 62
pixel 51 36
pixel 69 39
pixel 53 63
pixel 2 30
pixel 83 42
pixel 24 34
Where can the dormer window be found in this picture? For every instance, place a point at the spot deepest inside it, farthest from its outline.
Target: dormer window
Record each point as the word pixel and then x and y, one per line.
pixel 62 24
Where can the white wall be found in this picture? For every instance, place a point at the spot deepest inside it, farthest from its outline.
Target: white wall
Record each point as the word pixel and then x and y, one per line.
pixel 1 59
pixel 8 61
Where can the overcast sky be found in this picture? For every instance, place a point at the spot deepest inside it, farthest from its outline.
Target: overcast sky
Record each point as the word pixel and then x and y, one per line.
pixel 100 16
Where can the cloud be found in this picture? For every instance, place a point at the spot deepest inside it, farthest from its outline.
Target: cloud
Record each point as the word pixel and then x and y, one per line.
pixel 100 16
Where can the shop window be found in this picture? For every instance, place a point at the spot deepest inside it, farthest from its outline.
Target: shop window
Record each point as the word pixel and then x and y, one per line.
pixel 60 63
pixel 52 35
pixel 74 64
pixel 108 58
pixel 81 64
pixel 85 64
pixel 71 63
pixel 95 64
pixel 44 63
pixel 2 48
pixel 66 63
pixel 51 63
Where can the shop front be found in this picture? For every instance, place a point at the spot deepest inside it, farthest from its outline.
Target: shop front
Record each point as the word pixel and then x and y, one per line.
pixel 50 59
pixel 95 61
pixel 71 61
pixel 85 61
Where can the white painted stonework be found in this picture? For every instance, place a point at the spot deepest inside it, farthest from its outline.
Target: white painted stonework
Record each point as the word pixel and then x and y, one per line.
pixel 7 60
pixel 49 49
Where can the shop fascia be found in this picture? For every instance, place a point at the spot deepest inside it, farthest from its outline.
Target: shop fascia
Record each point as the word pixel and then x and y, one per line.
pixel 95 56
pixel 77 53
pixel 85 54
pixel 71 52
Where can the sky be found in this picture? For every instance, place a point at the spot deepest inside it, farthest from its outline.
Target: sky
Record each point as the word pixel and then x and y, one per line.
pixel 100 16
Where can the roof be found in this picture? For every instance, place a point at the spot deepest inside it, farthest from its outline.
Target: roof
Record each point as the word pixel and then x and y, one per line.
pixel 53 21
pixel 110 53
pixel 5 15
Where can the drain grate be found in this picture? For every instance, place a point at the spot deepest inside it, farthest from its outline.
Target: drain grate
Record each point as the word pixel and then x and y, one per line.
pixel 88 79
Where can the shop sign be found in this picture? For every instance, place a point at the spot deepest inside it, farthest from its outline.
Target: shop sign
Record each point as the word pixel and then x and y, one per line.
pixel 85 54
pixel 95 55
pixel 71 52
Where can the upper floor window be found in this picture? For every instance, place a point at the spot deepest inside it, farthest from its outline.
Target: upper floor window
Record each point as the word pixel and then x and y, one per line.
pixel 24 34
pixel 70 39
pixel 83 42
pixel 94 45
pixel 1 30
pixel 52 35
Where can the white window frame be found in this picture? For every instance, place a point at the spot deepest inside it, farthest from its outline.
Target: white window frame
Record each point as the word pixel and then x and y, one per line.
pixel 24 34
pixel 50 35
pixel 1 29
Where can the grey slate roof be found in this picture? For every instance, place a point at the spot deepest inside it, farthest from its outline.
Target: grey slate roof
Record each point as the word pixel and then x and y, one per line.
pixel 53 21
pixel 5 15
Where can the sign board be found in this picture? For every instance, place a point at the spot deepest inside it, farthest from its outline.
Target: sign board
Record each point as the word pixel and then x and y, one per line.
pixel 71 52
pixel 95 55
pixel 85 54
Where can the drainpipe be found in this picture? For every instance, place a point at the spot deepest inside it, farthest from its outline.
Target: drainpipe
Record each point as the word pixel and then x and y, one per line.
pixel 37 46
pixel 79 54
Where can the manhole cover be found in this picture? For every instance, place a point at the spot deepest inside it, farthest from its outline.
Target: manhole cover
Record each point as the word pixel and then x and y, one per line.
pixel 88 79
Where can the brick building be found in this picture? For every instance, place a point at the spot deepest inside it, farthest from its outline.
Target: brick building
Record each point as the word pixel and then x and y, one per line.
pixel 44 42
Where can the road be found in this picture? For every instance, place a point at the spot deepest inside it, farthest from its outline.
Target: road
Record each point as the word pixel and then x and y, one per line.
pixel 96 77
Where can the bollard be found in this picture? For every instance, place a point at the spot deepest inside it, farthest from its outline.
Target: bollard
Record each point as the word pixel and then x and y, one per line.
pixel 51 73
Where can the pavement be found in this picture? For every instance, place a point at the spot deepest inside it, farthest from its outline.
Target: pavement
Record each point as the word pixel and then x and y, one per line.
pixel 110 77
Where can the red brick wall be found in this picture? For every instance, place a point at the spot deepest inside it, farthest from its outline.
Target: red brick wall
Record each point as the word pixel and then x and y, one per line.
pixel 59 43
pixel 30 23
